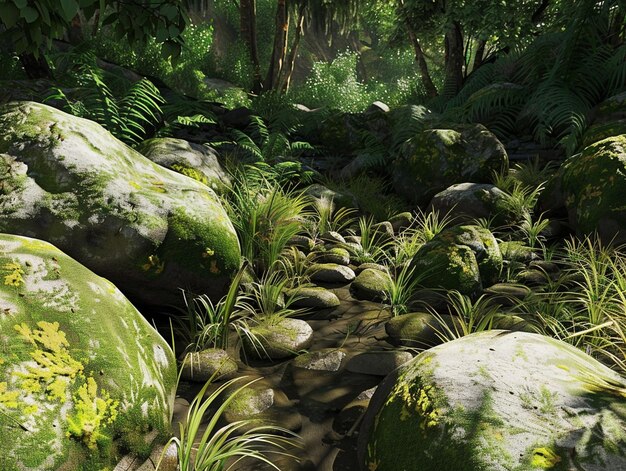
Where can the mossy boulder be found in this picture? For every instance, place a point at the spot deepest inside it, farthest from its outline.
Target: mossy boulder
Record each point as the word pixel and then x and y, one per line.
pixel 438 158
pixel 464 258
pixel 193 160
pixel 84 378
pixel 148 229
pixel 281 338
pixel 497 401
pixel 592 185
pixel 371 284
pixel 466 201
pixel 609 119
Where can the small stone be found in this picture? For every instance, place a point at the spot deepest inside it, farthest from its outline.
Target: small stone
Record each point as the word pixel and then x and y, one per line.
pixel 401 221
pixel 279 340
pixel 302 242
pixel 313 297
pixel 212 363
pixel 532 277
pixel 370 285
pixel 333 237
pixel 416 329
pixel 377 363
pixel 323 360
pixel 335 255
pixel 375 266
pixel 507 294
pixel 331 273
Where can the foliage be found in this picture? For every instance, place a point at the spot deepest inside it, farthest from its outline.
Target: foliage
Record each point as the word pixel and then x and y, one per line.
pixel 205 324
pixel 265 216
pixel 548 88
pixel 33 24
pixel 466 316
pixel 129 116
pixel 213 448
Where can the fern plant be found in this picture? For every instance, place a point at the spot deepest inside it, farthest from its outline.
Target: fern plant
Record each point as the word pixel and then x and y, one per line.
pixel 130 116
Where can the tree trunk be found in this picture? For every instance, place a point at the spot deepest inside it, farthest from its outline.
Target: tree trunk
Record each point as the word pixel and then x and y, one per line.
pixel 247 25
pixel 35 67
pixel 279 53
pixel 480 54
pixel 454 60
pixel 427 81
pixel 75 32
pixel 285 80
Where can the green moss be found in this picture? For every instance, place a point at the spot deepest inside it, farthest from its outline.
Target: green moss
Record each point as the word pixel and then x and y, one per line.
pixel 92 412
pixel 191 172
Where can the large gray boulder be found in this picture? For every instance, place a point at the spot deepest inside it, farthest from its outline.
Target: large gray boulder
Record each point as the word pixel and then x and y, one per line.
pixel 497 401
pixel 465 202
pixel 150 230
pixel 193 160
pixel 83 375
pixel 435 159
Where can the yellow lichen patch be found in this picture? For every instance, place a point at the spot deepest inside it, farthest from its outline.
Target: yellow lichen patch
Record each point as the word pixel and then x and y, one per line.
pixel 8 399
pixel 154 263
pixel 55 367
pixel 544 458
pixel 14 276
pixel 208 252
pixel 91 413
pixel 420 401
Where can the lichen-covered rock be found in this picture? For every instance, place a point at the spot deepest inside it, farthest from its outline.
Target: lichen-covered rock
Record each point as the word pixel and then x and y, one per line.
pixel 281 339
pixel 313 297
pixel 464 258
pixel 371 284
pixel 331 273
pixel 209 364
pixel 420 330
pixel 466 201
pixel 497 401
pixel 437 158
pixel 593 184
pixel 198 162
pixel 609 119
pixel 148 229
pixel 83 376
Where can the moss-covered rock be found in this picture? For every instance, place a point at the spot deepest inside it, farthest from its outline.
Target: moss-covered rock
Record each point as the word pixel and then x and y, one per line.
pixel 421 330
pixel 198 162
pixel 70 182
pixel 275 341
pixel 371 284
pixel 466 201
pixel 497 401
pixel 593 184
pixel 464 258
pixel 438 158
pixel 83 376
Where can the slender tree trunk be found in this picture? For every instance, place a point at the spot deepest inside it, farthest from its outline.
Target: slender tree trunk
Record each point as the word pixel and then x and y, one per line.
pixel 35 67
pixel 427 81
pixel 247 25
pixel 75 33
pixel 454 60
pixel 480 54
pixel 287 73
pixel 279 53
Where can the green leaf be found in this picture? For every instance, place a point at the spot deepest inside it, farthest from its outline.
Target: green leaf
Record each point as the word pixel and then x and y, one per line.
pixel 20 3
pixel 9 14
pixel 29 14
pixel 69 9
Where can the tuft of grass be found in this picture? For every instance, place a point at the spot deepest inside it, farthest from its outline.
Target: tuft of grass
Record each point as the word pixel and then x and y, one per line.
pixel 467 316
pixel 265 217
pixel 202 446
pixel 205 324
